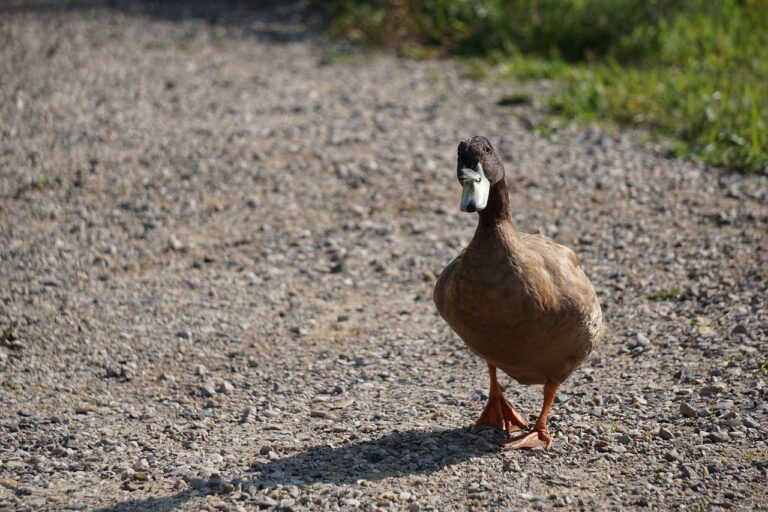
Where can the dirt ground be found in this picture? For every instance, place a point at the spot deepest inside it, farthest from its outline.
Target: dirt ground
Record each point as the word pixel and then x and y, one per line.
pixel 219 238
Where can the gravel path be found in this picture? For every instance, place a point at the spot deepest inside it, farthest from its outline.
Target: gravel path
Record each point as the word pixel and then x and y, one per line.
pixel 218 254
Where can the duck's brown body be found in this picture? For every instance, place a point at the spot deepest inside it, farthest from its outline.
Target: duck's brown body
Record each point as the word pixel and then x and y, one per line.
pixel 522 303
pixel 519 301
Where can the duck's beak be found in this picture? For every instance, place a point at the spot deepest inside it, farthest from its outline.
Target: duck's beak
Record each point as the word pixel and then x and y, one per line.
pixel 474 196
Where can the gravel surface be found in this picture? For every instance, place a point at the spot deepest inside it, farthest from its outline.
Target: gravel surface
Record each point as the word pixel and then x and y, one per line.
pixel 219 243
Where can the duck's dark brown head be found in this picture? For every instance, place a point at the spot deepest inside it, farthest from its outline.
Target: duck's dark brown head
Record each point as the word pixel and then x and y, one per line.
pixel 478 168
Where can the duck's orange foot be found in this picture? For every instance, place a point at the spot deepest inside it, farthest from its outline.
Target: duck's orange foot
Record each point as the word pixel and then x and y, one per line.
pixel 500 415
pixel 534 440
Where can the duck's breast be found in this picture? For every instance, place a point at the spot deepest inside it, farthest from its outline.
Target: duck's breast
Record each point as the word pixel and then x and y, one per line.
pixel 513 314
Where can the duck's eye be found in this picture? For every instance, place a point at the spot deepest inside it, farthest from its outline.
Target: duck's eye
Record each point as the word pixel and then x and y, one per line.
pixel 487 149
pixel 477 180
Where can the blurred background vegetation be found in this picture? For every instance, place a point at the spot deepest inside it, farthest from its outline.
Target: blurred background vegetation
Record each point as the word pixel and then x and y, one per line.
pixel 695 71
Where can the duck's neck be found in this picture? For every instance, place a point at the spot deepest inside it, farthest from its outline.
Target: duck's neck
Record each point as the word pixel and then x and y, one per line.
pixel 497 211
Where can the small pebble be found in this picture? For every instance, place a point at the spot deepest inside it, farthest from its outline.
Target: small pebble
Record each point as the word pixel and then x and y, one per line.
pixel 750 422
pixel 225 387
pixel 687 410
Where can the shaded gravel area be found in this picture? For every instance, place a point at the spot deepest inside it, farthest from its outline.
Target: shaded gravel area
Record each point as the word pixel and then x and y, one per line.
pixel 218 253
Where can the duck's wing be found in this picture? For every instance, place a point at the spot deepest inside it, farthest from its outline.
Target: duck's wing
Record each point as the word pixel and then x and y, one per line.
pixel 443 294
pixel 558 278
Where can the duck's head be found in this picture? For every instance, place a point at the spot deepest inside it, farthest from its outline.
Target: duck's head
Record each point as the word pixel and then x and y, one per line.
pixel 478 168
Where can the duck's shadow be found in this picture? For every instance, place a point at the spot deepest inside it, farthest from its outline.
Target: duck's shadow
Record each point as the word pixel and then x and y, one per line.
pixel 397 454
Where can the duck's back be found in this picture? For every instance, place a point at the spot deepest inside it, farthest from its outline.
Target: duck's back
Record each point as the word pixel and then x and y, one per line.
pixel 523 303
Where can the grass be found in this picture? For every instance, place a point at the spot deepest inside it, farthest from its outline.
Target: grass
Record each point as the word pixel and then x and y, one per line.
pixel 8 333
pixel 675 293
pixel 42 182
pixel 333 56
pixel 692 71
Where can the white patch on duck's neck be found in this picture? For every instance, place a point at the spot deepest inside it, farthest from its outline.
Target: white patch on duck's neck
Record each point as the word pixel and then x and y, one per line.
pixel 476 189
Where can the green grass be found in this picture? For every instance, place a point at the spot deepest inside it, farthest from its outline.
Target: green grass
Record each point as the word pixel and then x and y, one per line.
pixel 693 71
pixel 333 56
pixel 42 182
pixel 8 333
pixel 675 293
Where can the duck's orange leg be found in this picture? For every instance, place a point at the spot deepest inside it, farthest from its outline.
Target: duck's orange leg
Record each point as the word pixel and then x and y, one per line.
pixel 538 438
pixel 498 413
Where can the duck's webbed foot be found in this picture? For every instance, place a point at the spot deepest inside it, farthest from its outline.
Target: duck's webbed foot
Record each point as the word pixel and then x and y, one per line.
pixel 538 438
pixel 499 413
pixel 534 440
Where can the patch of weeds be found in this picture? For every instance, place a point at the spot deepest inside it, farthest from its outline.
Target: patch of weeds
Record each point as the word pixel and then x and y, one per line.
pixel 435 78
pixel 674 293
pixel 334 56
pixel 533 68
pixel 699 320
pixel 42 182
pixel 548 126
pixel 476 69
pixel 705 113
pixel 764 366
pixel 416 52
pixel 8 333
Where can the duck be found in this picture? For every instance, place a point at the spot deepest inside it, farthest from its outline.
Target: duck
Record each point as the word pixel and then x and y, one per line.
pixel 520 301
